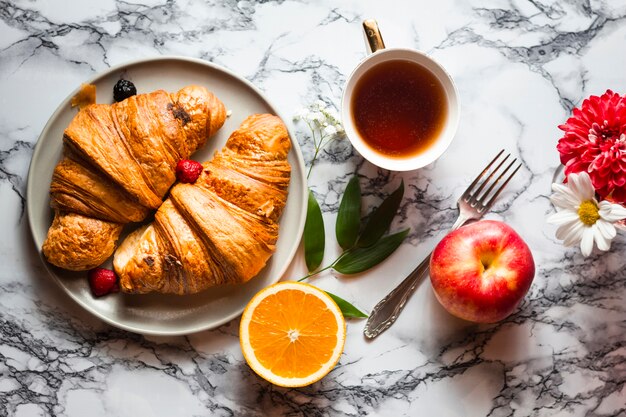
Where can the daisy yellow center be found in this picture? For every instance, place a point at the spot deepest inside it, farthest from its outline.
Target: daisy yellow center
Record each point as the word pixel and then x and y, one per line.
pixel 588 212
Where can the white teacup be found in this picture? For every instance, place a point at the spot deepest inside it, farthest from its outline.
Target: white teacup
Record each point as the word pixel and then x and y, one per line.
pixel 380 54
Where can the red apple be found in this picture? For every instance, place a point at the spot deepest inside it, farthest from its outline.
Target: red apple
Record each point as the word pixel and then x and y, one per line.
pixel 481 272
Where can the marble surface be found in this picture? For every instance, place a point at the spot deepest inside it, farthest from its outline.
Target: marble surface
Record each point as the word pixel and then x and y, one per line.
pixel 520 66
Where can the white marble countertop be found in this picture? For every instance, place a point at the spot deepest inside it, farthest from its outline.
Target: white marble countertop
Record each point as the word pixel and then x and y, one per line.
pixel 520 67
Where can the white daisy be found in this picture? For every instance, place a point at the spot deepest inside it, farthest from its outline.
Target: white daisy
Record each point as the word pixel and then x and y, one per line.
pixel 580 217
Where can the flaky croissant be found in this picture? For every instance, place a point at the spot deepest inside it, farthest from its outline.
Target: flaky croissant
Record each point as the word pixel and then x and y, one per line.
pixel 221 229
pixel 119 162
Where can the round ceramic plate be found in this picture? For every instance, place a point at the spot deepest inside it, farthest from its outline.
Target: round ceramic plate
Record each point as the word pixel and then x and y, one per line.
pixel 156 313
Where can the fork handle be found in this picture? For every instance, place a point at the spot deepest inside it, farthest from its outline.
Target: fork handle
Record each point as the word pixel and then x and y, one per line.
pixel 387 310
pixel 385 313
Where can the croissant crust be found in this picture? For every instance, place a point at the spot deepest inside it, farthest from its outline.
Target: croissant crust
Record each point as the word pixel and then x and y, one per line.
pixel 119 162
pixel 221 229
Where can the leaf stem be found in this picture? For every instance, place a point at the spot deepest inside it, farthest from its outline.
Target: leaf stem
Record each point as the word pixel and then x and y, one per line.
pixel 318 147
pixel 340 257
pixel 316 272
pixel 317 150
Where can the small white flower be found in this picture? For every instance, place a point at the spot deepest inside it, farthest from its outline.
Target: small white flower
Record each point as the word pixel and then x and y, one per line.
pixel 580 217
pixel 330 130
pixel 319 105
pixel 317 117
pixel 332 114
pixel 324 123
pixel 301 114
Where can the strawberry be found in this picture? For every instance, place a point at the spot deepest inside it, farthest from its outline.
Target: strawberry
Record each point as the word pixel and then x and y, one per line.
pixel 188 171
pixel 102 282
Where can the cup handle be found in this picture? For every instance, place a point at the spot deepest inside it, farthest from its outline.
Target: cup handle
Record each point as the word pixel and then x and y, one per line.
pixel 373 36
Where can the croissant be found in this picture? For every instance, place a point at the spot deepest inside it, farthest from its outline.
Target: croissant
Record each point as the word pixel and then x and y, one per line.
pixel 119 162
pixel 221 229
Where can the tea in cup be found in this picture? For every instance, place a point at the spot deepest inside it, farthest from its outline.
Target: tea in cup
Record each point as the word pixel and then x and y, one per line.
pixel 400 108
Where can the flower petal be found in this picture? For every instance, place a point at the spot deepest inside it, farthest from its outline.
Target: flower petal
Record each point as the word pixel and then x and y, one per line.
pixel 330 130
pixel 581 185
pixel 602 242
pixel 563 216
pixel 570 233
pixel 612 212
pixel 606 228
pixel 586 243
pixel 563 197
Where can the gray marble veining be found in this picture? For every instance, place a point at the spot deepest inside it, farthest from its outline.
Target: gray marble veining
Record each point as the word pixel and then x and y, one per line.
pixel 520 67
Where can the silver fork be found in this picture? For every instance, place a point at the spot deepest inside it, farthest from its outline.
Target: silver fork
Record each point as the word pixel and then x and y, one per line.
pixel 472 204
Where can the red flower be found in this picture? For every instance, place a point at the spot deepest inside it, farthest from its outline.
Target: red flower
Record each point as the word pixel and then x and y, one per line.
pixel 595 142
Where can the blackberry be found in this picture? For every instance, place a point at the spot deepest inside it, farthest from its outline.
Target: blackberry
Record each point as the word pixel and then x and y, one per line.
pixel 123 89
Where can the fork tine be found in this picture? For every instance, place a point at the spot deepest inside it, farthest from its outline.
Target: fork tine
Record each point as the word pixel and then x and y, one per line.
pixel 496 169
pixel 493 199
pixel 473 184
pixel 486 193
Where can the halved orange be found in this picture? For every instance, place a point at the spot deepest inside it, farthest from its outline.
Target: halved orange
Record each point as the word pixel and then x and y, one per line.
pixel 292 334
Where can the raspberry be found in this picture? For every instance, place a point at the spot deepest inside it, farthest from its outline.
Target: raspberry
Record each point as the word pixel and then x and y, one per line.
pixel 188 171
pixel 102 282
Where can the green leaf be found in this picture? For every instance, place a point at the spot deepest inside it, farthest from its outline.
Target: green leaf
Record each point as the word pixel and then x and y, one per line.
pixel 314 238
pixel 349 215
pixel 359 259
pixel 380 220
pixel 348 310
